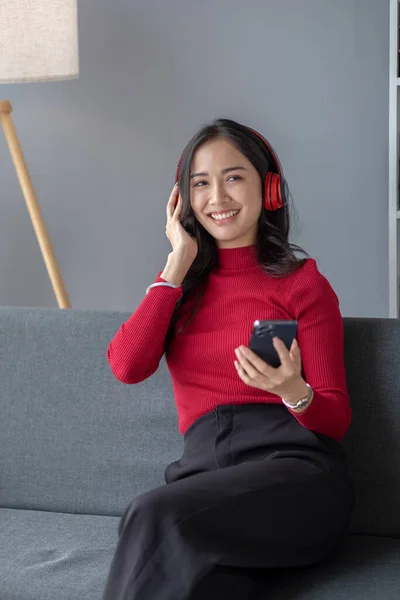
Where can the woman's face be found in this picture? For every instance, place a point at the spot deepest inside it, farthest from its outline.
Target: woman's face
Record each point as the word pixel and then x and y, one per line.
pixel 222 179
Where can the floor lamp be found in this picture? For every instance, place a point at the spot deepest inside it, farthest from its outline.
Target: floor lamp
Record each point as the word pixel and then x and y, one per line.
pixel 38 42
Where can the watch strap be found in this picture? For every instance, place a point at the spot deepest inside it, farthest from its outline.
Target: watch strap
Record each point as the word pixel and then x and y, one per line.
pixel 302 402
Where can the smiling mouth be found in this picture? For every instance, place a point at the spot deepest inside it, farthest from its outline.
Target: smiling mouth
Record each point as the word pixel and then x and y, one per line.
pixel 226 217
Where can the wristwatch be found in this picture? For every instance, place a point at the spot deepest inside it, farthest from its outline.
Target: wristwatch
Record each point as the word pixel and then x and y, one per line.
pixel 303 402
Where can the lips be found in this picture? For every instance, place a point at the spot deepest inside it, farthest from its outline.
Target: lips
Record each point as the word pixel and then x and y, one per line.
pixel 225 221
pixel 235 211
pixel 222 212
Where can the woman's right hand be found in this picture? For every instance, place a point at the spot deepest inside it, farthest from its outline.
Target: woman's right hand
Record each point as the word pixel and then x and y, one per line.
pixel 181 240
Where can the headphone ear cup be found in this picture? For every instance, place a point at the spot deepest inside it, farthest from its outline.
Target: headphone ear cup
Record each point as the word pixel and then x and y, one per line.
pixel 273 192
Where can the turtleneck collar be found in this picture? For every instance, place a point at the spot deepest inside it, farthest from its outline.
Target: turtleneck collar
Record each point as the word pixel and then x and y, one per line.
pixel 231 259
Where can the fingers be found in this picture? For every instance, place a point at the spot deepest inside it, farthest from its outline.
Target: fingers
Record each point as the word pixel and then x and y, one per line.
pixel 245 364
pixel 177 208
pixel 172 203
pixel 294 352
pixel 252 363
pixel 288 358
pixel 249 359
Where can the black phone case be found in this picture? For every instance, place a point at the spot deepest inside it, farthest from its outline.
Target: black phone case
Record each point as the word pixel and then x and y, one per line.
pixel 261 339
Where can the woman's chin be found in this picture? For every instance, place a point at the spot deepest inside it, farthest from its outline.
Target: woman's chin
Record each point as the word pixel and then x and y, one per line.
pixel 222 231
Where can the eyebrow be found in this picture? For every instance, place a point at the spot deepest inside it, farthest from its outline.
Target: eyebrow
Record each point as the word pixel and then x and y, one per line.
pixel 224 171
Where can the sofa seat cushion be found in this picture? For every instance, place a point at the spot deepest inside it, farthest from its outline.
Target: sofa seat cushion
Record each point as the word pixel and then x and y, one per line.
pixel 66 556
pixel 50 555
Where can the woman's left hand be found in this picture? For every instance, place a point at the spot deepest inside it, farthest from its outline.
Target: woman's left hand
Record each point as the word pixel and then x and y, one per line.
pixel 285 381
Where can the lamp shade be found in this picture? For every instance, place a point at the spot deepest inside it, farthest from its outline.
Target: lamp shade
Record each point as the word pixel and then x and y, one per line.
pixel 38 40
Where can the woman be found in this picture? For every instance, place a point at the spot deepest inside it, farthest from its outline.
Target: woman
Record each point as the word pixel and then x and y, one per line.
pixel 262 482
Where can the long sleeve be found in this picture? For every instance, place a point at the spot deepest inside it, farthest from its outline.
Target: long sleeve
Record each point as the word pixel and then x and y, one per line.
pixel 321 340
pixel 137 348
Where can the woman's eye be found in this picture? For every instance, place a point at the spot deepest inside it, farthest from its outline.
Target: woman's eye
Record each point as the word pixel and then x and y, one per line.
pixel 203 183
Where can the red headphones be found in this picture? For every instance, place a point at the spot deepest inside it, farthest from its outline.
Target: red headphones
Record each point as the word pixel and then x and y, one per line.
pixel 275 184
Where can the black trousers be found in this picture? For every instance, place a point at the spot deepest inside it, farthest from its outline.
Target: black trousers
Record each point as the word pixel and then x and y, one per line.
pixel 254 490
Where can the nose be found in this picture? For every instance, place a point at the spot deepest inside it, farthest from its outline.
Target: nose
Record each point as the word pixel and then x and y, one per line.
pixel 218 193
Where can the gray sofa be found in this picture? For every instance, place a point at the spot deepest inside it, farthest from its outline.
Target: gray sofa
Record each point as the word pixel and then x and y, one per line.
pixel 76 446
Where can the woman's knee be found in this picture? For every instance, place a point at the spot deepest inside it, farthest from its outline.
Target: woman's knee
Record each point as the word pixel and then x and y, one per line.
pixel 146 507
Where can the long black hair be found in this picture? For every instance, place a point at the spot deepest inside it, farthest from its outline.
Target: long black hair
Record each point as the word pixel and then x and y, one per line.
pixel 276 255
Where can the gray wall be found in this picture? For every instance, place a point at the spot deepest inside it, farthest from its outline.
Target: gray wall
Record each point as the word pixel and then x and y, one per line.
pixel 311 75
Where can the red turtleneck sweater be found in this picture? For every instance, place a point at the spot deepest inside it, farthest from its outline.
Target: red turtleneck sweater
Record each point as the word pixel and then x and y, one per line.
pixel 201 358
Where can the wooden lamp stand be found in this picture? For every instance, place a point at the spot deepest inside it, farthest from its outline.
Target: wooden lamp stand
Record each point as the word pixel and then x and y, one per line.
pixel 33 205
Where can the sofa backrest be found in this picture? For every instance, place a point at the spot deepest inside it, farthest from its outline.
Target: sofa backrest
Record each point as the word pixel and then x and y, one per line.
pixel 372 356
pixel 74 439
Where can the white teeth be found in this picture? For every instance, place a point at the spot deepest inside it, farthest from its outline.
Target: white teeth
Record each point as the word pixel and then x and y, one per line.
pixel 224 215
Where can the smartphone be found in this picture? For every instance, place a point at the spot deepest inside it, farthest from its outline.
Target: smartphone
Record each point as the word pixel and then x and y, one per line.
pixel 261 339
